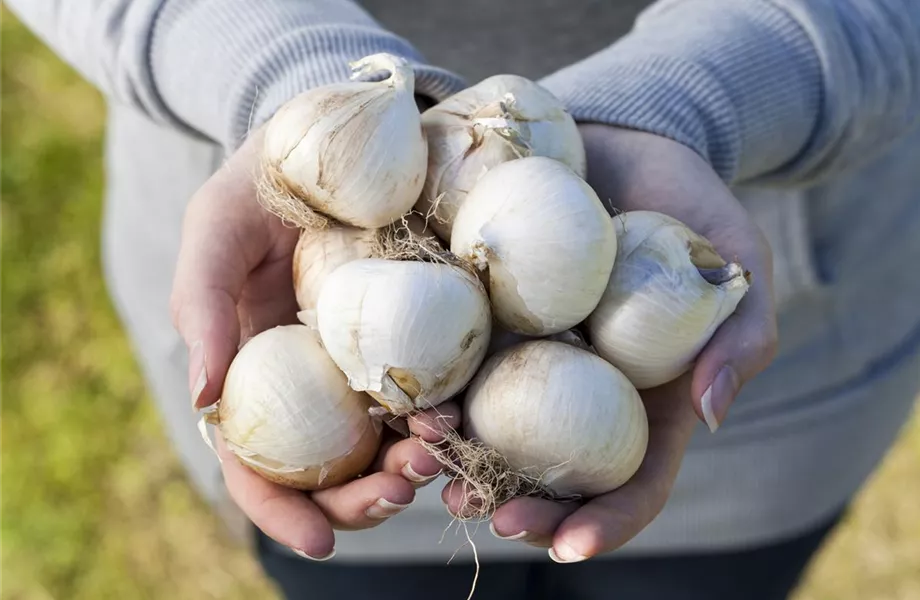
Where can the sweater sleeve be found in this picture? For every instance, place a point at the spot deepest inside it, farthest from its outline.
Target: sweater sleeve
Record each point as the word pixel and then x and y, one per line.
pixel 217 68
pixel 780 91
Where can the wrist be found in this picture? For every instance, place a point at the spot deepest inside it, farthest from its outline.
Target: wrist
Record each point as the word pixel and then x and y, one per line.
pixel 739 83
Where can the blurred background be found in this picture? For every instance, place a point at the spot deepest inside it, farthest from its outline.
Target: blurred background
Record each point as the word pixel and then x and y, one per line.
pixel 94 503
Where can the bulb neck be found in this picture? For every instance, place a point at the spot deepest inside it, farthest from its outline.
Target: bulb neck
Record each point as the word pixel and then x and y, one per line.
pixel 500 118
pixel 723 275
pixel 479 255
pixel 712 267
pixel 399 73
pixel 506 128
pixel 704 256
pixel 210 415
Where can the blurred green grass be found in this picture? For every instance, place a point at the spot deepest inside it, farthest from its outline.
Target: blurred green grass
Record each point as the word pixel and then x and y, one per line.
pixel 95 504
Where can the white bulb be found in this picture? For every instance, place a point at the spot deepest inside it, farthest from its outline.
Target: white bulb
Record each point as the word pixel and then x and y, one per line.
pixel 287 412
pixel 353 151
pixel 411 334
pixel 545 241
pixel 320 252
pixel 660 309
pixel 560 414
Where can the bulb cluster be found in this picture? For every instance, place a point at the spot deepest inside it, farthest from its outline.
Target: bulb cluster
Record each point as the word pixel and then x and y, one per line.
pixel 462 249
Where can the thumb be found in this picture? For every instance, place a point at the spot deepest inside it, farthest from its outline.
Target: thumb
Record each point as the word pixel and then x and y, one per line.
pixel 223 239
pixel 742 347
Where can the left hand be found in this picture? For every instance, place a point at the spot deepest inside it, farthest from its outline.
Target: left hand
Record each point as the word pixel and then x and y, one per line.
pixel 234 280
pixel 633 170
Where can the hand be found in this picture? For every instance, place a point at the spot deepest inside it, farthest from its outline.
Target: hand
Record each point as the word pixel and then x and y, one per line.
pixel 234 280
pixel 641 171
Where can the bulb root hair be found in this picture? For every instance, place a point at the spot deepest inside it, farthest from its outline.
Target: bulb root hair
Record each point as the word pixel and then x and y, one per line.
pixel 433 212
pixel 276 196
pixel 398 241
pixel 488 480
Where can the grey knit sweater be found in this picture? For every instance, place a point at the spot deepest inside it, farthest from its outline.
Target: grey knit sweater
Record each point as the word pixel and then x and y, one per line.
pixel 807 108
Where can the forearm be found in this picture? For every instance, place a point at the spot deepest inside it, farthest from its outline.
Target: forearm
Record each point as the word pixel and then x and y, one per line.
pixel 217 67
pixel 104 40
pixel 783 90
pixel 227 65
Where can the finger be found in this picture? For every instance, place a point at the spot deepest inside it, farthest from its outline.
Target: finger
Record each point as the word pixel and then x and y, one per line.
pixel 268 297
pixel 530 520
pixel 222 241
pixel 389 440
pixel 283 514
pixel 432 424
pixel 410 460
pixel 459 499
pixel 741 348
pixel 366 502
pixel 609 521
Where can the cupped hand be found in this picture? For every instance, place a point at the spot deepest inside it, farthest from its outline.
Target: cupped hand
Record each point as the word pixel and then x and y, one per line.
pixel 632 170
pixel 234 280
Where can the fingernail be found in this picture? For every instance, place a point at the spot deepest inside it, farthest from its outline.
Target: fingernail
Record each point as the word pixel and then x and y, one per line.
pixel 517 536
pixel 383 508
pixel 409 473
pixel 303 554
pixel 718 397
pixel 196 360
pixel 563 553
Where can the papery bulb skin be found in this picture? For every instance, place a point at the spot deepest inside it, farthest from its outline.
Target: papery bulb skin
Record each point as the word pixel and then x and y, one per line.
pixel 287 412
pixel 559 413
pixel 502 118
pixel 660 309
pixel 352 151
pixel 411 334
pixel 542 239
pixel 319 252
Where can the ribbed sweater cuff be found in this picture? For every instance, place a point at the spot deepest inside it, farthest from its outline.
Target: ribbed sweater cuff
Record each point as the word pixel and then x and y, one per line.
pixel 223 67
pixel 738 81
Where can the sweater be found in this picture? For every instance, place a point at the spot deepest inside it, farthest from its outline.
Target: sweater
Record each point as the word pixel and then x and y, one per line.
pixel 808 109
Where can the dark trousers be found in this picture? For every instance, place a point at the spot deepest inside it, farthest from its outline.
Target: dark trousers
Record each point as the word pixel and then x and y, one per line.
pixel 764 573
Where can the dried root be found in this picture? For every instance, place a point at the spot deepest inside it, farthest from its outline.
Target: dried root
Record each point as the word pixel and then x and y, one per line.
pixel 276 196
pixel 434 213
pixel 409 239
pixel 488 480
pixel 405 239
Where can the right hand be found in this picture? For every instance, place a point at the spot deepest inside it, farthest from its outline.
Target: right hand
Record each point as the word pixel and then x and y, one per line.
pixel 234 280
pixel 643 171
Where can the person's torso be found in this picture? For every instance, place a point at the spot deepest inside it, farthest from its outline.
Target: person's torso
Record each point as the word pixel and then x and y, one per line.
pixel 846 256
pixel 531 38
